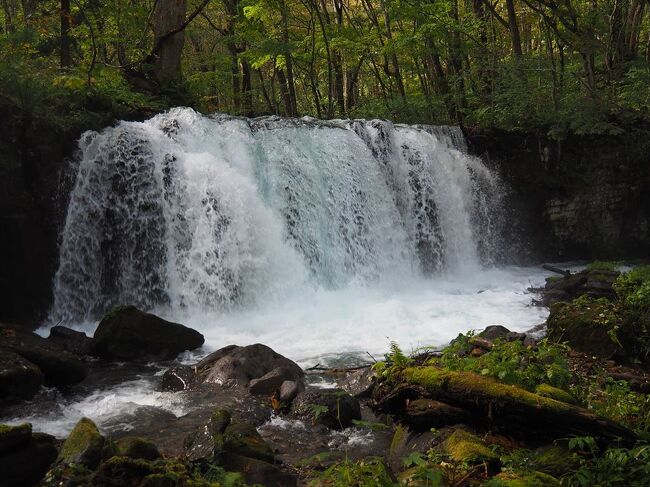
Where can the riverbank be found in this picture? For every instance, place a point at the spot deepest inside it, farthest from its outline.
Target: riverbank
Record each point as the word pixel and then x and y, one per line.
pixel 494 408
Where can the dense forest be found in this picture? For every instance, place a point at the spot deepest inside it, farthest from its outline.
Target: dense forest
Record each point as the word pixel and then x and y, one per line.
pixel 551 66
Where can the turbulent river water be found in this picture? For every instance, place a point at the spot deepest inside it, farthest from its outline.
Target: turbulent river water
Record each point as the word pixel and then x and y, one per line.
pixel 325 240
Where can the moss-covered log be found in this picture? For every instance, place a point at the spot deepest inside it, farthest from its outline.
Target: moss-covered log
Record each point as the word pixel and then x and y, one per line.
pixel 498 405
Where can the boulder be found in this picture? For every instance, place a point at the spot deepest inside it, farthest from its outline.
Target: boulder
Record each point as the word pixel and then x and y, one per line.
pixel 83 446
pixel 242 439
pixel 493 332
pixel 234 365
pixel 581 327
pixel 135 447
pixel 259 472
pixel 596 283
pixel 333 408
pixel 26 459
pixel 59 367
pixel 19 378
pixel 128 334
pixel 73 341
pixel 180 378
pixel 13 437
pixel 290 389
pixel 271 382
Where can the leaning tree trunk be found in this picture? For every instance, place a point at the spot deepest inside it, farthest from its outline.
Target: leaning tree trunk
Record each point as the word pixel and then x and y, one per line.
pixel 169 38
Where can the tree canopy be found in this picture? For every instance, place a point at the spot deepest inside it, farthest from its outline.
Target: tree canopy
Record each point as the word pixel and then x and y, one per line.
pixel 558 66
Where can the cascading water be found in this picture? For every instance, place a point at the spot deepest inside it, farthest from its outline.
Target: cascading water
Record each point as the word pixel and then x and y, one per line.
pixel 188 211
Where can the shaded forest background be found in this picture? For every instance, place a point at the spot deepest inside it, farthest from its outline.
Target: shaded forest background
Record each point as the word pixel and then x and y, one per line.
pixel 553 67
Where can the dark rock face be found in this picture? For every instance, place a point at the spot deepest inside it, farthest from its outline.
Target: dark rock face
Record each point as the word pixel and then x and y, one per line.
pixel 585 197
pixel 24 457
pixel 71 340
pixel 234 365
pixel 19 378
pixel 592 283
pixel 333 408
pixel 126 333
pixel 59 368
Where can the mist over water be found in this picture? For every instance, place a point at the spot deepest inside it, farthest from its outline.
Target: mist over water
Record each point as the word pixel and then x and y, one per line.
pixel 314 237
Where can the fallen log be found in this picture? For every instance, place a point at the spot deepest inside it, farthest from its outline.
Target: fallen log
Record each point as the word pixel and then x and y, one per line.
pixel 493 404
pixel 557 270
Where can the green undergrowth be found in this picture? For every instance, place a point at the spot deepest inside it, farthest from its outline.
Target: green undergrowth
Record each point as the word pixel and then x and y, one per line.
pixel 366 473
pixel 511 362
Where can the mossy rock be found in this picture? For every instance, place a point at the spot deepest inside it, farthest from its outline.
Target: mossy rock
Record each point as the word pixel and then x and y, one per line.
pixel 119 471
pixel 84 445
pixel 555 460
pixel 583 327
pixel 244 440
pixel 551 392
pixel 134 447
pixel 522 479
pixel 465 447
pixel 12 437
pixel 219 421
pixel 27 462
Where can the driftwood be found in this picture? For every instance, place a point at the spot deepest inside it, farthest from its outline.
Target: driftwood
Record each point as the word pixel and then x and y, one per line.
pixel 557 270
pixel 492 404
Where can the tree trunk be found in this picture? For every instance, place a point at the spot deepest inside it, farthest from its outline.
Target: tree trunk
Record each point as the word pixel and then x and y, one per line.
pixel 514 29
pixel 169 15
pixel 66 55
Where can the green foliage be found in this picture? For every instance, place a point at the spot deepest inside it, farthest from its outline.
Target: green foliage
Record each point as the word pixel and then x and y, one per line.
pixel 365 473
pixel 395 360
pixel 512 362
pixel 633 288
pixel 613 467
pixel 614 400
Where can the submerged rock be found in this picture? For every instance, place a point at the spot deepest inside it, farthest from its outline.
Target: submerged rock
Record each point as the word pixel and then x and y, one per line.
pixel 126 333
pixel 333 408
pixel 59 367
pixel 24 457
pixel 19 378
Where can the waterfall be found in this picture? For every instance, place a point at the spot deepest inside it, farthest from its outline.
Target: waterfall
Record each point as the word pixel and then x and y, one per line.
pixel 186 210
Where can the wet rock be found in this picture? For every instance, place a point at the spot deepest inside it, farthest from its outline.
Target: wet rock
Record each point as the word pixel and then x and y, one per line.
pixel 258 472
pixel 126 333
pixel 333 408
pixel 242 439
pixel 234 365
pixel 27 459
pixel 71 340
pixel 59 367
pixel 596 283
pixel 135 447
pixel 423 414
pixel 359 383
pixel 180 378
pixel 514 336
pixel 494 332
pixel 19 378
pixel 207 441
pixel 290 389
pixel 271 382
pixel 83 446
pixel 12 437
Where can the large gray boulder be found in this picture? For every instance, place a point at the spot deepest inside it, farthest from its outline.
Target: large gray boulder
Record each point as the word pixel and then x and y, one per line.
pixel 255 366
pixel 128 334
